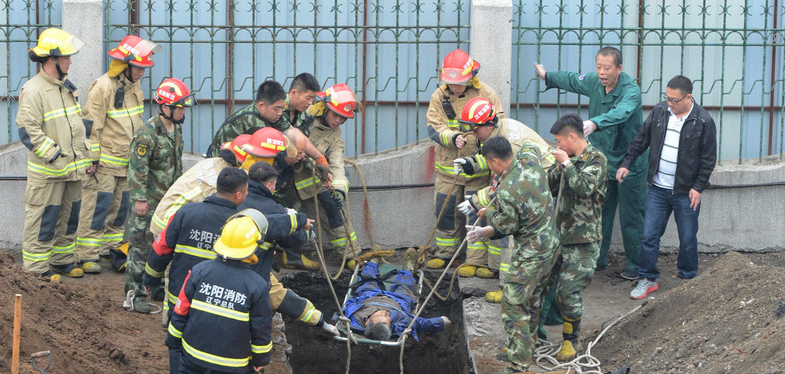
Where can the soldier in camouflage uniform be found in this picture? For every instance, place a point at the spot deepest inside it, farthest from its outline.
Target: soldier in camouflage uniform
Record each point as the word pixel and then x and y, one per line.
pixel 272 108
pixel 155 164
pixel 579 221
pixel 523 209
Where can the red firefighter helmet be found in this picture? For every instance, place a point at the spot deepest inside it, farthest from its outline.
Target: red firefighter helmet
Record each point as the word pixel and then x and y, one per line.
pixel 236 146
pixel 174 92
pixel 135 51
pixel 478 112
pixel 458 68
pixel 266 142
pixel 340 99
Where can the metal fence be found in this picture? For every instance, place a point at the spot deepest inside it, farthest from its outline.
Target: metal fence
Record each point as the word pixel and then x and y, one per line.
pixel 732 50
pixel 386 51
pixel 20 23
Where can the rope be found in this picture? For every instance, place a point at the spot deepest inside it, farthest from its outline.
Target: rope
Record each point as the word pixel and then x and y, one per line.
pixel 366 205
pixel 582 364
pixel 343 318
pixel 424 249
pixel 408 329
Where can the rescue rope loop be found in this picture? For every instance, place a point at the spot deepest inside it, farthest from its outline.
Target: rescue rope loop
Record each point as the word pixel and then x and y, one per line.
pixel 128 303
pixel 582 364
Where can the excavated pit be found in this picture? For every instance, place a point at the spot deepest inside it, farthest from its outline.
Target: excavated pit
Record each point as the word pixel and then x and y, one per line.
pixel 444 352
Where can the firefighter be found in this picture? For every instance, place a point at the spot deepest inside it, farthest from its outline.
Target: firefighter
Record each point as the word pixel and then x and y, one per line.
pixel 198 182
pixel 112 114
pixel 50 126
pixel 222 320
pixel 155 164
pixel 331 110
pixel 454 140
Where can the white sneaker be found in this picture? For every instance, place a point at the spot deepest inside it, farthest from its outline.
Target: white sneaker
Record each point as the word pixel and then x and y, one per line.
pixel 643 288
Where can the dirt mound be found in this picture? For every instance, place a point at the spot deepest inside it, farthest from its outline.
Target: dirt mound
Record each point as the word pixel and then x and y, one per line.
pixel 723 321
pixel 85 330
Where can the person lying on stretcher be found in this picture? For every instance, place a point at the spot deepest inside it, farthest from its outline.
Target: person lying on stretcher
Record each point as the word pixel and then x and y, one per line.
pixel 380 314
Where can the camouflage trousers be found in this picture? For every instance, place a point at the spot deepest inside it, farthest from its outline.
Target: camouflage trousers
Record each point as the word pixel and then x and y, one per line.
pixel 572 273
pixel 140 240
pixel 522 300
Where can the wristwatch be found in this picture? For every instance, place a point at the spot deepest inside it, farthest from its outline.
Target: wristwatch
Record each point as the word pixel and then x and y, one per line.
pixel 565 163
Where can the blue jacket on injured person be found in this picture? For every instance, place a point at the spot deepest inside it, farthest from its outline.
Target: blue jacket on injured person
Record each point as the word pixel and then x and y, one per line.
pixel 398 301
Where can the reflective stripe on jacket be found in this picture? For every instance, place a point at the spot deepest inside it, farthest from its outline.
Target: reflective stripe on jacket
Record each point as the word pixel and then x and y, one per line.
pixel 50 126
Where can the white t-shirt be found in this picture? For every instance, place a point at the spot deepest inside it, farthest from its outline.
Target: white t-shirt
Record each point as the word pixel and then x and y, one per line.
pixel 666 173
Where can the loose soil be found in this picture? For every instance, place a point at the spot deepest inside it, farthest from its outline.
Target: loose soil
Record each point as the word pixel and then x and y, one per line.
pixel 723 321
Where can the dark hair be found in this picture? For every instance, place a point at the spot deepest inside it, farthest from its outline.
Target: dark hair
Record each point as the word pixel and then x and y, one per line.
pixel 498 147
pixel 305 82
pixel 231 180
pixel 681 83
pixel 377 331
pixel 270 92
pixel 262 172
pixel 611 51
pixel 568 123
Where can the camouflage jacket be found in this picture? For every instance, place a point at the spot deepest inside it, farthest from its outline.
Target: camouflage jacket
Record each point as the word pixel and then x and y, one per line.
pixel 580 210
pixel 244 121
pixel 524 207
pixel 155 162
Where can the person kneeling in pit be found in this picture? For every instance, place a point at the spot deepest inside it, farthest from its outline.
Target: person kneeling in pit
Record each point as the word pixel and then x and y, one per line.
pixel 381 314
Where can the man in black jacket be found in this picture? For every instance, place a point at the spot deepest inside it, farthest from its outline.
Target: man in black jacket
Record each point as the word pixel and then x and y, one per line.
pixel 286 228
pixel 682 138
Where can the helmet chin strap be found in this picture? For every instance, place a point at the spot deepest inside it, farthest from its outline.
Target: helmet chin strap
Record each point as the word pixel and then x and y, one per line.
pixel 169 117
pixel 128 74
pixel 59 71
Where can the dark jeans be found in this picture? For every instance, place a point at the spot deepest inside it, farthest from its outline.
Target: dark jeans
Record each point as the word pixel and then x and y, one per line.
pixel 660 203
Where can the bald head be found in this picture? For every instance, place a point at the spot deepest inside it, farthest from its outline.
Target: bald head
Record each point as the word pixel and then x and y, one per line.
pixel 299 140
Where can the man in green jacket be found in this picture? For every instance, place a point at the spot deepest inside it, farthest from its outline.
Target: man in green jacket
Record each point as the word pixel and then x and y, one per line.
pixel 615 117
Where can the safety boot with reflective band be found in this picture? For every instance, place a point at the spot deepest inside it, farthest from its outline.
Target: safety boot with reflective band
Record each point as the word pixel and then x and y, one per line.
pixel 571 345
pixel 494 297
pixel 51 277
pixel 90 267
pixel 303 263
pixel 69 270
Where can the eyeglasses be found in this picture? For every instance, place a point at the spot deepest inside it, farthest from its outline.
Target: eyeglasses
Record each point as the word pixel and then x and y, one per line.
pixel 673 101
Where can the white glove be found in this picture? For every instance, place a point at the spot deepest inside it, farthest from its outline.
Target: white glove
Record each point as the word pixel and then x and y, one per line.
pixel 466 206
pixel 290 211
pixel 446 320
pixel 476 234
pixel 457 165
pixel 331 329
pixel 588 127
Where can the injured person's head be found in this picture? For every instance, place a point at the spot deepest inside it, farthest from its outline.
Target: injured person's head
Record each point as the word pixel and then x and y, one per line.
pixel 378 325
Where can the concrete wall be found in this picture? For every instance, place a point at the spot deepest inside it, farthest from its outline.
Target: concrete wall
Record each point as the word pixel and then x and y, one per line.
pixel 85 20
pixel 491 22
pixel 731 218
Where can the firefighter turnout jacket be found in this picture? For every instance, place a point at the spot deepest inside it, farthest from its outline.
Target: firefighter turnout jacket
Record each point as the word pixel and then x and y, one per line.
pixel 443 127
pixel 111 127
pixel 222 320
pixel 50 126
pixel 194 186
pixel 517 133
pixel 329 142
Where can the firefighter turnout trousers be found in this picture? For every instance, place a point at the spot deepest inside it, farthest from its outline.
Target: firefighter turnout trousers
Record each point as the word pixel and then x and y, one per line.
pixel 102 219
pixel 51 218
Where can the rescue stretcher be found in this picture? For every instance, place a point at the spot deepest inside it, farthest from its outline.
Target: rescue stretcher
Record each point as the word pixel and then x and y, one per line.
pixel 383 269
